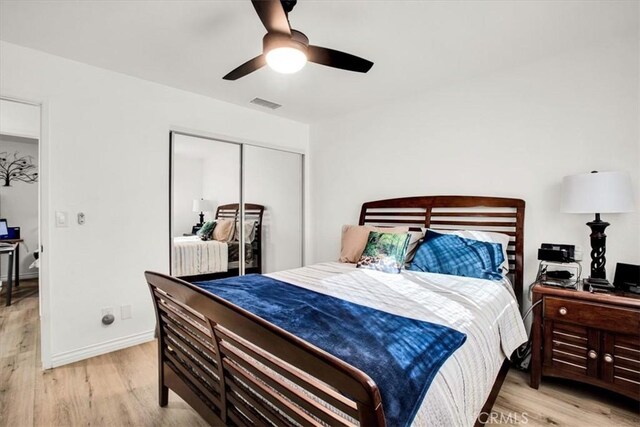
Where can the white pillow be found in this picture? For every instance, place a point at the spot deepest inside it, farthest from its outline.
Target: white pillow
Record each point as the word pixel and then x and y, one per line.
pixel 250 228
pixel 484 236
pixel 415 239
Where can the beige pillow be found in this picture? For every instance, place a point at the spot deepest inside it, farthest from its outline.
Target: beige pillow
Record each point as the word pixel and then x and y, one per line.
pixel 354 239
pixel 224 230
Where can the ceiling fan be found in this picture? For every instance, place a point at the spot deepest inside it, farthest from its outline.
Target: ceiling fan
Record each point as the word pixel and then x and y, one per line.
pixel 287 50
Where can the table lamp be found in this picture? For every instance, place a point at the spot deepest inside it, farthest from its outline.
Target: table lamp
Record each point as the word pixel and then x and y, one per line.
pixel 202 206
pixel 597 193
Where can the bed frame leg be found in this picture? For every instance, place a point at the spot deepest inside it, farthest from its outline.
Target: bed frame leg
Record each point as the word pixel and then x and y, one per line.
pixel 163 395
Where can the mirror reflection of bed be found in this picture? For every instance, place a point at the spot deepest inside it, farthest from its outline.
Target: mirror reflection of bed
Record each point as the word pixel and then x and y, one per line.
pixel 210 180
pixel 198 258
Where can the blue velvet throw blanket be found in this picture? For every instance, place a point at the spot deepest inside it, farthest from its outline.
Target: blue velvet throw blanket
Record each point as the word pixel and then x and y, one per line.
pixel 401 355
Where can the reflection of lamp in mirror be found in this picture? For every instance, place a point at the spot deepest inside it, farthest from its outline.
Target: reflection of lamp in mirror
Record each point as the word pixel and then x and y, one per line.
pixel 202 206
pixel 596 193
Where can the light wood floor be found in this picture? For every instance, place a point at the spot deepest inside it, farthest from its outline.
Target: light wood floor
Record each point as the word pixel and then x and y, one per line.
pixel 121 388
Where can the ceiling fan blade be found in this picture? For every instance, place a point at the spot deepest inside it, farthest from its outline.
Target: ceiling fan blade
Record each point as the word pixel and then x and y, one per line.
pixel 273 16
pixel 337 59
pixel 248 67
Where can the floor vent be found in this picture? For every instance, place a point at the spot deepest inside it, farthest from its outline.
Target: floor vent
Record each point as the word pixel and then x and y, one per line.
pixel 264 103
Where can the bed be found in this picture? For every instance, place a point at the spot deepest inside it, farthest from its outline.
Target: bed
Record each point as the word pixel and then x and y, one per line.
pixel 194 259
pixel 236 368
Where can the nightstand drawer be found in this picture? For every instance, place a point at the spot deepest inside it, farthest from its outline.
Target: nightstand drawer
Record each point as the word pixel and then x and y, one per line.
pixel 601 316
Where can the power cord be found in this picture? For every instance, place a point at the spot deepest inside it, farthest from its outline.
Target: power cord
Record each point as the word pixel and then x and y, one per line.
pixel 522 354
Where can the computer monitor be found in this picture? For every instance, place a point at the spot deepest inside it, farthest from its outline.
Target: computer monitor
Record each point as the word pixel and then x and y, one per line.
pixel 4 230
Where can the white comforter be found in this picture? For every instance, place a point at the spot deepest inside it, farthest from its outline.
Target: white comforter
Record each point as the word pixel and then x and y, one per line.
pixel 192 256
pixel 484 310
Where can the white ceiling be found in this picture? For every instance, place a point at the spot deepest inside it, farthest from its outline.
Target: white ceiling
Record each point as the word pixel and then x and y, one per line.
pixel 414 44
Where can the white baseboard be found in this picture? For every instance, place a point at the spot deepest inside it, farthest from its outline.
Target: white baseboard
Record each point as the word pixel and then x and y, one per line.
pixel 23 276
pixel 101 348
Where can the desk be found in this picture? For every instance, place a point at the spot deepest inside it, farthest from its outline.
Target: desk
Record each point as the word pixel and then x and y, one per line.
pixel 17 257
pixel 11 251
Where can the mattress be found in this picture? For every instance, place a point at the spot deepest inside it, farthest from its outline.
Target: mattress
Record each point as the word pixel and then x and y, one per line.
pixel 486 311
pixel 193 256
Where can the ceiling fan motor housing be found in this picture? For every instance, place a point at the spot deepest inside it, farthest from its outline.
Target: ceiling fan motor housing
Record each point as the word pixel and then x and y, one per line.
pixel 297 40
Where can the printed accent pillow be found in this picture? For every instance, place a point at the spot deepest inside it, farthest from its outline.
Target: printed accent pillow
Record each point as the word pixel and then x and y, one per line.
pixel 455 255
pixel 224 230
pixel 384 252
pixel 354 240
pixel 206 231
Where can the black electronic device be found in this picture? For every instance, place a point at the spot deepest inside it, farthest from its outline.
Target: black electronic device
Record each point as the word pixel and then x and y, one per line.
pixel 14 233
pixel 627 277
pixel 555 252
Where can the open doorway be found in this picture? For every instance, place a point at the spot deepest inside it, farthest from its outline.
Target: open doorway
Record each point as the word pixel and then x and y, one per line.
pixel 19 221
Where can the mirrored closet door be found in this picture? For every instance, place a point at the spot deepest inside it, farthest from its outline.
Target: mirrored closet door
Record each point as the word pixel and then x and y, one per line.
pixel 205 191
pixel 273 179
pixel 223 193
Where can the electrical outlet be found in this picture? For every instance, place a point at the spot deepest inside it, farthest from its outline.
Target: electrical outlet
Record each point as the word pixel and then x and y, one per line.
pixel 125 312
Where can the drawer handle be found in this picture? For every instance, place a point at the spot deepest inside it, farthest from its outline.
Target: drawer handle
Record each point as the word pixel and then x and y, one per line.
pixel 592 354
pixel 562 311
pixel 608 358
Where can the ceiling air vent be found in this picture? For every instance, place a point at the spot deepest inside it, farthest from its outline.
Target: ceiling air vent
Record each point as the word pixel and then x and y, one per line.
pixel 264 103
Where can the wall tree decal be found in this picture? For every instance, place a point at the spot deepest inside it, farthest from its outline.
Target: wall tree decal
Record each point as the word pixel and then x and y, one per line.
pixel 17 168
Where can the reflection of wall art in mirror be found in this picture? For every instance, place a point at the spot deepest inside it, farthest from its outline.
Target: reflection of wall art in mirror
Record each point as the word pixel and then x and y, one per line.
pixel 17 168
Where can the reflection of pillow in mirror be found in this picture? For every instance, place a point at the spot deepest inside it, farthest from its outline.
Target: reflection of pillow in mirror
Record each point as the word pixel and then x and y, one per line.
pixel 224 230
pixel 354 240
pixel 206 231
pixel 249 231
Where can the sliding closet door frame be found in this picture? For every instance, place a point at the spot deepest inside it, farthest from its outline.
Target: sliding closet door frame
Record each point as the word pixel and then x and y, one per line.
pixel 242 144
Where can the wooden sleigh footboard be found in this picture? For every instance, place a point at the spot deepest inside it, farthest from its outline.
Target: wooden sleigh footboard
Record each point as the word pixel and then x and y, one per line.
pixel 234 368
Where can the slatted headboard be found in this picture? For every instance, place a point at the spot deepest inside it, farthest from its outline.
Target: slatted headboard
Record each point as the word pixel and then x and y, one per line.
pixel 497 214
pixel 252 212
pixel 232 210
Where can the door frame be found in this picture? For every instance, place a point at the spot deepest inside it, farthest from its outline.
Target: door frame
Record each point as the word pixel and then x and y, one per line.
pixel 44 230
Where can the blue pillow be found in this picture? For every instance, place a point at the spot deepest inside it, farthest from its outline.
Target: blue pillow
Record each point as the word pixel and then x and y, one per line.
pixel 455 255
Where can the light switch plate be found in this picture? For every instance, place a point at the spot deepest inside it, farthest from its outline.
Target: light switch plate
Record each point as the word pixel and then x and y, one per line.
pixel 62 219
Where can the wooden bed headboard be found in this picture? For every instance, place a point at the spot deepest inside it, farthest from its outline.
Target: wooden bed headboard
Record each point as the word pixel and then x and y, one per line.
pixel 253 212
pixel 232 210
pixel 497 214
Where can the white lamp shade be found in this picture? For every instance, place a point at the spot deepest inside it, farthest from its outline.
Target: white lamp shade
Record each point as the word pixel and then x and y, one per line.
pixel 201 205
pixel 601 192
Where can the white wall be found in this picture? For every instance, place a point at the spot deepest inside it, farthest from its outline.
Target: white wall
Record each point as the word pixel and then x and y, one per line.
pixel 513 134
pixel 19 204
pixel 187 187
pixel 221 175
pixel 108 141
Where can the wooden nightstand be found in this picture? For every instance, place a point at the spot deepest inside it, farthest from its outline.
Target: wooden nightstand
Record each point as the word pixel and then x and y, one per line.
pixel 588 337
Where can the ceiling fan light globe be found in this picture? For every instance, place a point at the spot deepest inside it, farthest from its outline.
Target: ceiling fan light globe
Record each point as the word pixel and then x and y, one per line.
pixel 286 60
